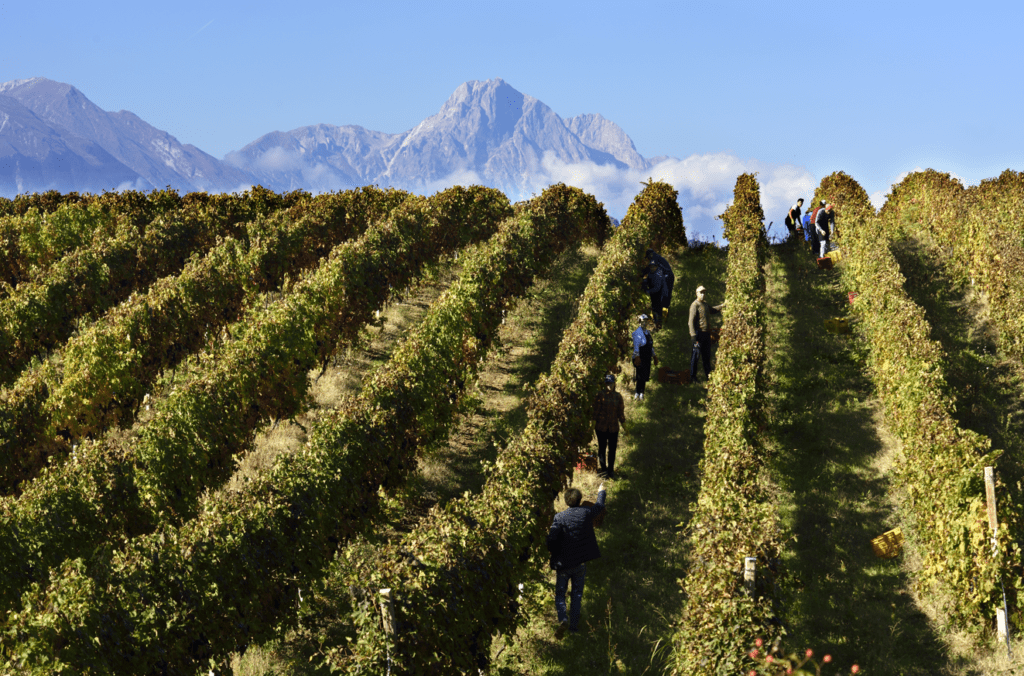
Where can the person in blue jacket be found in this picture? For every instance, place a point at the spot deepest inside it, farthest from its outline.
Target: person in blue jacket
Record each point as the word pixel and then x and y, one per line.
pixel 572 542
pixel 643 356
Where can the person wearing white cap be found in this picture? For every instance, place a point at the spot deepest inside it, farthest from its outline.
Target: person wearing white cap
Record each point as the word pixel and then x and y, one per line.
pixel 643 354
pixel 700 327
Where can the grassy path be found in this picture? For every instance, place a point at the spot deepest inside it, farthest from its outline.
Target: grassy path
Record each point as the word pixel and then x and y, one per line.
pixel 631 595
pixel 832 454
pixel 833 457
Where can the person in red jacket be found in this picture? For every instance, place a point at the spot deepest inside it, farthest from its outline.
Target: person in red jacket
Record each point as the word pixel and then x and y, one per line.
pixel 572 542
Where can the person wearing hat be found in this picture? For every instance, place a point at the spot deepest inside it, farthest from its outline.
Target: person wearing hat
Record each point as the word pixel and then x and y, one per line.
pixel 700 327
pixel 659 306
pixel 609 411
pixel 643 355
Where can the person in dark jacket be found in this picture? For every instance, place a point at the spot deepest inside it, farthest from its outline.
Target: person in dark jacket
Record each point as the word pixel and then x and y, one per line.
pixel 609 411
pixel 655 285
pixel 824 225
pixel 643 355
pixel 669 278
pixel 572 542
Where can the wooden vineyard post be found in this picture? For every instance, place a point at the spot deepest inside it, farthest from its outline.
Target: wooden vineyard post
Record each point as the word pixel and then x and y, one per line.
pixel 993 523
pixel 750 575
pixel 387 611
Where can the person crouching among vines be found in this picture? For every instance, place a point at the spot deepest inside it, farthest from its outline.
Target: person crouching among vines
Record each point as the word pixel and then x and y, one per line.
pixel 643 355
pixel 609 411
pixel 572 542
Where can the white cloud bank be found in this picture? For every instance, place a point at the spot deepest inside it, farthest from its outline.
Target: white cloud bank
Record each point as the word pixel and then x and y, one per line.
pixel 705 184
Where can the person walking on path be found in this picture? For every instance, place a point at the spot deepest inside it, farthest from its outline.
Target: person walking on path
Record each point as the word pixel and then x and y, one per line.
pixel 643 355
pixel 655 285
pixel 572 543
pixel 700 332
pixel 793 217
pixel 669 277
pixel 609 411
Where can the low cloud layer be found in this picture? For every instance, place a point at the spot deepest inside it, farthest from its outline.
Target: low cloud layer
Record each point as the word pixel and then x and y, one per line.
pixel 705 184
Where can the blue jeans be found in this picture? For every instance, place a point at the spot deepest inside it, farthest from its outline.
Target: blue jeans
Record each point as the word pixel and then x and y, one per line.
pixel 578 576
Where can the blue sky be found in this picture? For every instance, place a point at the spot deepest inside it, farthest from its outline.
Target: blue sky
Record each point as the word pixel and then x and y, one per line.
pixel 875 89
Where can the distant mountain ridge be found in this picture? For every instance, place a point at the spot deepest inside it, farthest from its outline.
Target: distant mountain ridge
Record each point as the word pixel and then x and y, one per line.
pixel 486 131
pixel 52 136
pixel 136 154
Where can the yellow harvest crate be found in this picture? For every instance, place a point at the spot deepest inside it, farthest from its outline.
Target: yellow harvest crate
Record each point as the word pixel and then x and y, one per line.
pixel 835 255
pixel 837 325
pixel 889 544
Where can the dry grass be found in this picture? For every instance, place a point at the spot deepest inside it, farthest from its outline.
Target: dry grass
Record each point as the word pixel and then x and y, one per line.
pixel 343 376
pixel 526 344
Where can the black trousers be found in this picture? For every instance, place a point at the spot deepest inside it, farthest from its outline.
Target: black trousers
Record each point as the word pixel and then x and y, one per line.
pixel 701 352
pixel 658 301
pixel 611 441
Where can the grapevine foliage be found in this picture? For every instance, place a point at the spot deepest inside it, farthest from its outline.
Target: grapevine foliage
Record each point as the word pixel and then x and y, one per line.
pixel 100 376
pixel 940 466
pixel 454 577
pixel 735 515
pixel 168 590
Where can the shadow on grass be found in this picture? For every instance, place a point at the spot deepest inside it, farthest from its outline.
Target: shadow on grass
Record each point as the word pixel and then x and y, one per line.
pixel 831 464
pixel 988 388
pixel 531 337
pixel 632 595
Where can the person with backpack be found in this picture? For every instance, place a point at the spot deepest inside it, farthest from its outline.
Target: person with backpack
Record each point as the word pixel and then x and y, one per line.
pixel 609 411
pixel 643 355
pixel 793 218
pixel 655 285
pixel 669 279
pixel 572 543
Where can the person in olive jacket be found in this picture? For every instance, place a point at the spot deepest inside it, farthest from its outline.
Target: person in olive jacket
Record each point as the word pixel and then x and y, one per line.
pixel 572 543
pixel 700 332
